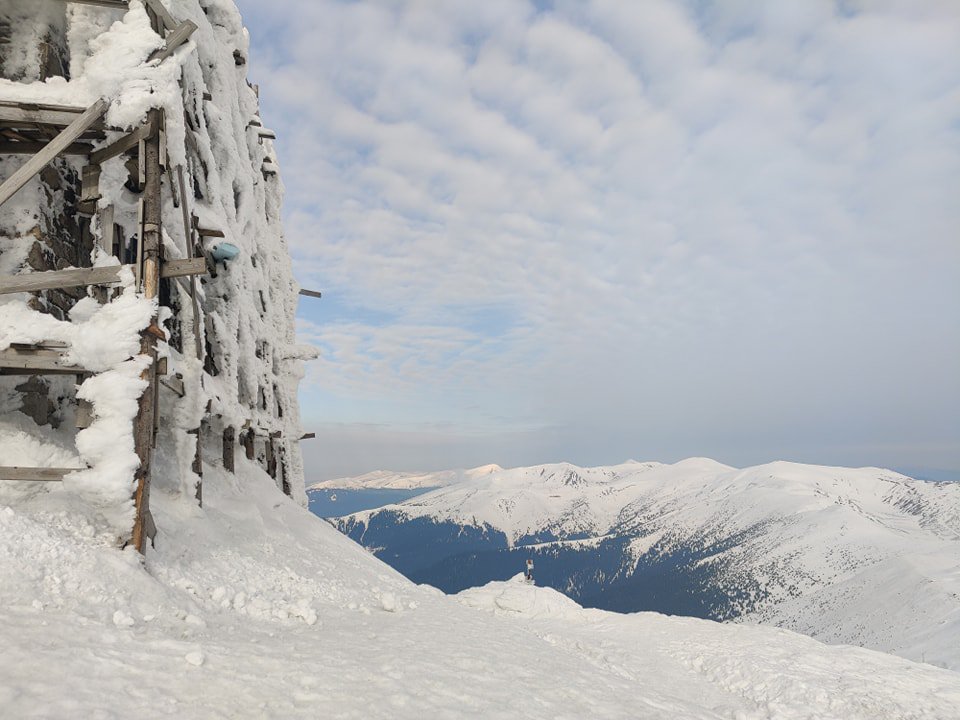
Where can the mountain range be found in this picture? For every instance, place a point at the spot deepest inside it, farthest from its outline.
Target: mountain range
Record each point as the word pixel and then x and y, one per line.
pixel 854 556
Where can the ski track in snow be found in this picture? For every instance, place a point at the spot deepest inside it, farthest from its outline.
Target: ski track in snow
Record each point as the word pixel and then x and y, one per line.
pixel 252 607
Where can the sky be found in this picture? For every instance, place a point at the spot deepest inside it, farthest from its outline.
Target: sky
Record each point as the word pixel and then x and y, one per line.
pixel 596 230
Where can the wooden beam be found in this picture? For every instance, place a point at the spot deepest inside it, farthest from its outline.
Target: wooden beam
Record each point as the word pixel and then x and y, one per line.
pixel 269 134
pixel 175 384
pixel 175 39
pixel 143 424
pixel 121 145
pixel 162 14
pixel 308 436
pixel 62 141
pixel 78 277
pixel 35 474
pixel 31 147
pixel 31 114
pixel 310 293
pixel 183 268
pixel 56 279
pixel 208 232
pixel 114 4
pixel 19 360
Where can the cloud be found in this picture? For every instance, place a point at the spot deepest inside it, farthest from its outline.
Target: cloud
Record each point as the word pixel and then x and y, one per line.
pixel 653 220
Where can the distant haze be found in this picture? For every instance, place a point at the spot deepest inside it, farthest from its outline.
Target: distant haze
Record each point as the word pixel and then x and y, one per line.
pixel 599 230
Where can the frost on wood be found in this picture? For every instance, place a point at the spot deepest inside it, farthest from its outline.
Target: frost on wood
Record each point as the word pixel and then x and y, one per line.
pixel 75 214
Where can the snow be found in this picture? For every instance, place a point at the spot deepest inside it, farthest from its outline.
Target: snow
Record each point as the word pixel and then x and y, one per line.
pixel 252 607
pixel 862 556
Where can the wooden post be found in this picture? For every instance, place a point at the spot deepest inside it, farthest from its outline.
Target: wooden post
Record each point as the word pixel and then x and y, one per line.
pixel 197 466
pixel 271 459
pixel 188 231
pixel 144 423
pixel 229 449
pixel 248 440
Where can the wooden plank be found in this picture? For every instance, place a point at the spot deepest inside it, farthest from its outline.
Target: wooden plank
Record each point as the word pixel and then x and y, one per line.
pixel 269 134
pixel 113 4
pixel 162 14
pixel 90 183
pixel 175 39
pixel 121 145
pixel 16 361
pixel 310 293
pixel 208 232
pixel 18 113
pixel 35 164
pixel 308 436
pixel 31 147
pixel 55 279
pixel 183 267
pixel 175 384
pixel 34 474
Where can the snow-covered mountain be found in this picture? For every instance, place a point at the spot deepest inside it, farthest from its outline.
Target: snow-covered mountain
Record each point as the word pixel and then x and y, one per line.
pixel 858 556
pixel 390 480
pixel 253 608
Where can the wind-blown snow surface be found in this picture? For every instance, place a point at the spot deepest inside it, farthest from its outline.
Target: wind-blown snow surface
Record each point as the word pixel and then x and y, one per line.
pixel 253 608
pixel 859 556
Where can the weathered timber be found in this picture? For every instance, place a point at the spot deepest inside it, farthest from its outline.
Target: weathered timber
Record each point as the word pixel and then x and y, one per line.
pixel 33 114
pixel 229 449
pixel 121 145
pixel 114 4
pixel 53 279
pixel 175 39
pixel 265 133
pixel 308 436
pixel 35 474
pixel 83 417
pixel 183 267
pixel 36 163
pixel 188 234
pixel 77 277
pixel 162 14
pixel 271 459
pixel 248 439
pixel 143 428
pixel 175 384
pixel 40 361
pixel 90 183
pixel 31 147
pixel 209 232
pixel 311 293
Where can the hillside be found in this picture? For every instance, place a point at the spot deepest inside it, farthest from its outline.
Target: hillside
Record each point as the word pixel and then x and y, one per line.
pixel 858 556
pixel 253 608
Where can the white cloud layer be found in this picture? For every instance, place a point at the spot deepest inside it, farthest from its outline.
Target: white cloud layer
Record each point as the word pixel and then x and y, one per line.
pixel 648 229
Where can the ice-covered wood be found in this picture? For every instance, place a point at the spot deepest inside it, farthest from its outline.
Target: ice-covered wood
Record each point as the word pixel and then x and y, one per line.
pixel 62 141
pixel 34 474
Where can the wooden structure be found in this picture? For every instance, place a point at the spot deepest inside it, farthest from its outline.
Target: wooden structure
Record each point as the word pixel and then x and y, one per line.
pixel 50 133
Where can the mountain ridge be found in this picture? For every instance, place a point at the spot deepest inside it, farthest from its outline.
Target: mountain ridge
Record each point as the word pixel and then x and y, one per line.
pixel 781 543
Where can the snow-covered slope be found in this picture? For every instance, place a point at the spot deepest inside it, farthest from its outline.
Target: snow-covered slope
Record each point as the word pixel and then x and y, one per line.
pixel 389 480
pixel 858 556
pixel 253 608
